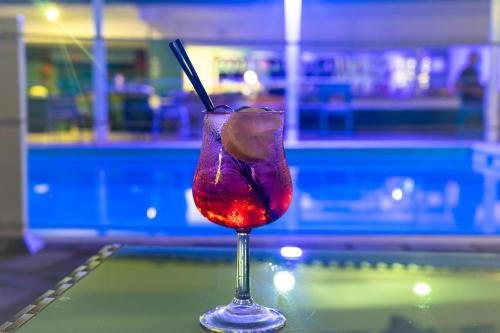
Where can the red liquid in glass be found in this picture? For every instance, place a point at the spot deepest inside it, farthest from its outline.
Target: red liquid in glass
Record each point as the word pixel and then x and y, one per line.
pixel 240 194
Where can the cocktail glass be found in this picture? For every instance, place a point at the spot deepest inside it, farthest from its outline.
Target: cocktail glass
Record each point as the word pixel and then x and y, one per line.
pixel 242 182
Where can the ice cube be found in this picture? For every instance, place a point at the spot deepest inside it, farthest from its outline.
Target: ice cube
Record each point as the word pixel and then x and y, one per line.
pixel 216 119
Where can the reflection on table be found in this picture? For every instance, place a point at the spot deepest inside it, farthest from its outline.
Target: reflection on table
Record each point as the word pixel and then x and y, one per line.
pixel 370 292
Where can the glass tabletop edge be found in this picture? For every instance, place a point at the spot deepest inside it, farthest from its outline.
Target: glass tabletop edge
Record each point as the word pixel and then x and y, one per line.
pixel 34 308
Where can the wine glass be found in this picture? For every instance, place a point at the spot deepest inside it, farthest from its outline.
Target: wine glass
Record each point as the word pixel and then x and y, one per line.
pixel 242 182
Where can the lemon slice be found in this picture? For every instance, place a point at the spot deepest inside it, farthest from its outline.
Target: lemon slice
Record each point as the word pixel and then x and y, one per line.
pixel 249 135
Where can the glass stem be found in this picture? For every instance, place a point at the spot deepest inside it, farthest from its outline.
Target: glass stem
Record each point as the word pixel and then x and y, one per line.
pixel 243 268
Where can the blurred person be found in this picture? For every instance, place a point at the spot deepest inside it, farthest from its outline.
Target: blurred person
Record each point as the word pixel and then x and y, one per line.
pixel 48 77
pixel 468 86
pixel 471 96
pixel 119 82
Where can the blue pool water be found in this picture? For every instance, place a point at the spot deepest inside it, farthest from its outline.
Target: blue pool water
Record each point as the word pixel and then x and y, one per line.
pixel 336 191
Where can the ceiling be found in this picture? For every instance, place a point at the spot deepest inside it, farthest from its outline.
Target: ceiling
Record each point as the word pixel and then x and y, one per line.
pixel 359 23
pixel 121 22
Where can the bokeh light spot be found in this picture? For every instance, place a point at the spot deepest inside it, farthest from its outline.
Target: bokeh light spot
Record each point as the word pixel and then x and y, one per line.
pixel 291 252
pixel 284 281
pixel 52 13
pixel 151 213
pixel 397 194
pixel 422 289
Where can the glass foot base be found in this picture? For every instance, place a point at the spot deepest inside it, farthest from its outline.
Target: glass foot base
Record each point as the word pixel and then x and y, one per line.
pixel 242 317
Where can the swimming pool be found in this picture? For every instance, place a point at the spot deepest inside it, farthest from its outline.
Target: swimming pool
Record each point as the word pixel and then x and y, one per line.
pixel 337 190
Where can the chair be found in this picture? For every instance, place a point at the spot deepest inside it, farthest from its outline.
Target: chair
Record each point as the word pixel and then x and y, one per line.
pixel 38 115
pixel 467 109
pixel 63 112
pixel 137 114
pixel 326 92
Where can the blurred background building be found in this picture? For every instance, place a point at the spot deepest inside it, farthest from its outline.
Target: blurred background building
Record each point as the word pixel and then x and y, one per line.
pixel 366 69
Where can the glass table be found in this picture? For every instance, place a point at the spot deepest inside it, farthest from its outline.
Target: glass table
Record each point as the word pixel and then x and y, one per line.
pixel 153 289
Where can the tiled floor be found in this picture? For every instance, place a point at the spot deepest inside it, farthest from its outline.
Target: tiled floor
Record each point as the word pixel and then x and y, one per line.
pixel 24 277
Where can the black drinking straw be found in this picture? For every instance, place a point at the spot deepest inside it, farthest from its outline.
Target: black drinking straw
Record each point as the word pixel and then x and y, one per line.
pixel 188 68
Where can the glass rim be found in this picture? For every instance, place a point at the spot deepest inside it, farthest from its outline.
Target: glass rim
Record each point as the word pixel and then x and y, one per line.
pixel 223 112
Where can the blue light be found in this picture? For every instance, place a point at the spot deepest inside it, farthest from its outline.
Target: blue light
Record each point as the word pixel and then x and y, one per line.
pixel 41 188
pixel 408 185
